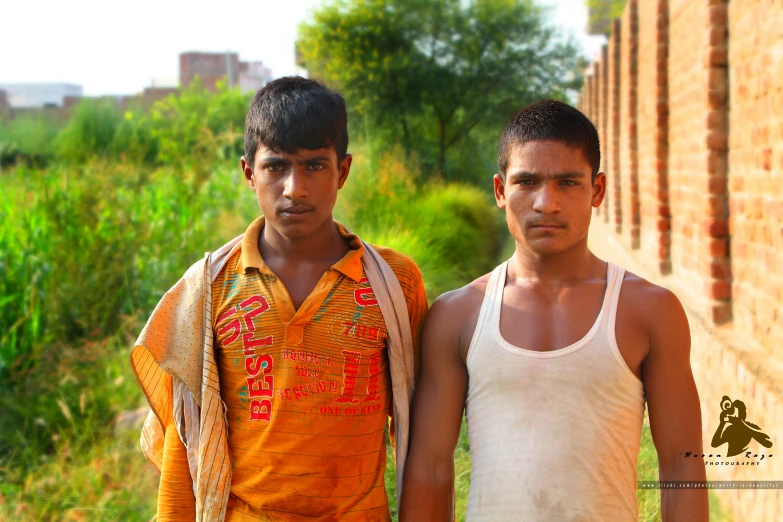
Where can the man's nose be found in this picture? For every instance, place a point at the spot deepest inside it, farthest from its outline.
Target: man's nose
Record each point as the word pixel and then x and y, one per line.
pixel 295 184
pixel 546 199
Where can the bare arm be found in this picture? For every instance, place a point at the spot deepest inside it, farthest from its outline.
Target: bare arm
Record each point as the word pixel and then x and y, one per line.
pixel 673 403
pixel 437 414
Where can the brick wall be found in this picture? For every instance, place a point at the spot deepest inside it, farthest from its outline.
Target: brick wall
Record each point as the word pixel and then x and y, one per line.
pixel 756 168
pixel 688 101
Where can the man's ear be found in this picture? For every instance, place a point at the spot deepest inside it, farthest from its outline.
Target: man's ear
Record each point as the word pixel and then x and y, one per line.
pixel 599 189
pixel 247 170
pixel 500 190
pixel 345 169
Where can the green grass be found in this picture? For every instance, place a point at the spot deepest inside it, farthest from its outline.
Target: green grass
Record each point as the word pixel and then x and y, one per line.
pixel 29 137
pixel 63 458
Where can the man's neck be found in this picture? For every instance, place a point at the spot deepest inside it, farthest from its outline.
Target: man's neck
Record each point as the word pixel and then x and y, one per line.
pixel 325 242
pixel 562 269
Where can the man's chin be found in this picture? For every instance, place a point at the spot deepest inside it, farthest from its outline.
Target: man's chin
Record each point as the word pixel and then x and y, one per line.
pixel 546 246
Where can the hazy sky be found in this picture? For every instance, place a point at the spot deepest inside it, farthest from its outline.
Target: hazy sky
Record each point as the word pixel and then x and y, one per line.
pixel 119 48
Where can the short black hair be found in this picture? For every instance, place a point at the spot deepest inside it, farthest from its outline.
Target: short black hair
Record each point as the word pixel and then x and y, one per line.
pixel 293 113
pixel 550 120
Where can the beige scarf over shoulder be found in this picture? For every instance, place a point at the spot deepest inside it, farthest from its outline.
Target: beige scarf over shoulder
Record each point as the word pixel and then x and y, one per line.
pixel 174 361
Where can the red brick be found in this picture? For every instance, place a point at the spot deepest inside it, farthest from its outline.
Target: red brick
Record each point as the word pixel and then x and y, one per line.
pixel 717 228
pixel 720 269
pixel 719 15
pixel 718 247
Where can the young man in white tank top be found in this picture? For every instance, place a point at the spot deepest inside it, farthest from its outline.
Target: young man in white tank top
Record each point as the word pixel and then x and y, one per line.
pixel 552 356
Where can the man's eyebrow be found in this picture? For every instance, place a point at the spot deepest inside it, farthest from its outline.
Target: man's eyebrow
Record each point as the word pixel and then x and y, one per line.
pixel 275 159
pixel 315 159
pixel 532 175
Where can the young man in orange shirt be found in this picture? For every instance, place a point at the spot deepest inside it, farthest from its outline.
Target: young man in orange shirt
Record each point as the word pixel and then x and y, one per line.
pixel 273 366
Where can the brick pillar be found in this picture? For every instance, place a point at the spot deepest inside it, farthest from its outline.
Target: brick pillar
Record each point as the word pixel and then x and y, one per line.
pixel 592 104
pixel 613 127
pixel 629 173
pixel 589 94
pixel 603 115
pixel 717 225
pixel 653 132
pixel 698 145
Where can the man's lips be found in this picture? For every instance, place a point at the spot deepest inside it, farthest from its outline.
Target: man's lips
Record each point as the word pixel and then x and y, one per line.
pixel 296 210
pixel 546 226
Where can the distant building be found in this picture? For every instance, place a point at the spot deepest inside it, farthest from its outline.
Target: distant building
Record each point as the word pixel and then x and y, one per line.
pixel 212 68
pixel 209 67
pixel 253 76
pixel 58 100
pixel 37 95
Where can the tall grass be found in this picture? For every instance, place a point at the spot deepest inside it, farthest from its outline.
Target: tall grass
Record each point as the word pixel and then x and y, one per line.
pixel 85 253
pixel 82 246
pixel 62 458
pixel 29 137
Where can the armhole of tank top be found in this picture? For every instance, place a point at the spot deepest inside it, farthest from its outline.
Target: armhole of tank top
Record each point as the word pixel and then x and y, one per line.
pixel 483 312
pixel 619 276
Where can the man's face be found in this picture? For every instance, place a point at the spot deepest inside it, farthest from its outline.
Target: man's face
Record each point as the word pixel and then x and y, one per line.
pixel 548 196
pixel 296 192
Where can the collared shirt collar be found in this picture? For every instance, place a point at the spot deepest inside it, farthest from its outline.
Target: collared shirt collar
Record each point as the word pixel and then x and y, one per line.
pixel 350 264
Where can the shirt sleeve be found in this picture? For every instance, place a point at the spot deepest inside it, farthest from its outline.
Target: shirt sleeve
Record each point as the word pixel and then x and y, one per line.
pixel 176 502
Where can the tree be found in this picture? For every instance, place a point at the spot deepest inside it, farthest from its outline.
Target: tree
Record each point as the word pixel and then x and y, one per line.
pixel 601 13
pixel 436 74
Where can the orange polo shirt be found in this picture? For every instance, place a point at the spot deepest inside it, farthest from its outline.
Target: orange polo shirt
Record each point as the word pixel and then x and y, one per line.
pixel 307 391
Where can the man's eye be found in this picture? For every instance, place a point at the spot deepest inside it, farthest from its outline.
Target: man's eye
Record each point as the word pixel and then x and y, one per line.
pixel 526 182
pixel 569 183
pixel 275 168
pixel 316 166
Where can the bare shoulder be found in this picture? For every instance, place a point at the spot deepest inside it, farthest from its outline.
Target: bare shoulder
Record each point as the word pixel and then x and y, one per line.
pixel 652 308
pixel 462 300
pixel 647 298
pixel 454 314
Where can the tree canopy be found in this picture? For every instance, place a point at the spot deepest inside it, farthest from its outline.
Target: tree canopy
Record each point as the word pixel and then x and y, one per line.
pixel 602 12
pixel 439 76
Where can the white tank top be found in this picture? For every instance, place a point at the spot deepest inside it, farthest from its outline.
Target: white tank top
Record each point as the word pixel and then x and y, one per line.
pixel 554 436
